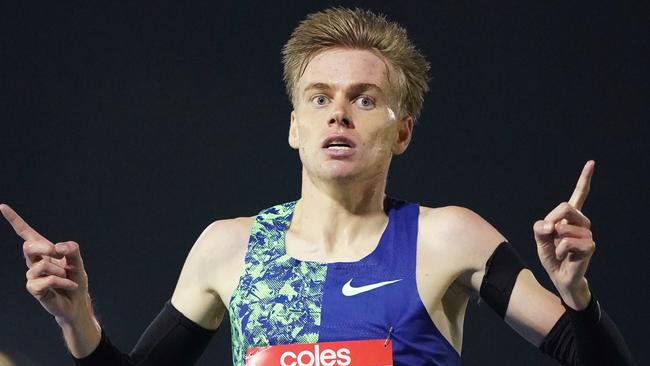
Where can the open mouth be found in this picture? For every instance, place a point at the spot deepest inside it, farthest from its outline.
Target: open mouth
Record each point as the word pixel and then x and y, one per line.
pixel 338 143
pixel 336 146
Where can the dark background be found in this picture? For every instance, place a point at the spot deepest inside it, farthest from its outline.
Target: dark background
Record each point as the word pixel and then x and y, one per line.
pixel 130 126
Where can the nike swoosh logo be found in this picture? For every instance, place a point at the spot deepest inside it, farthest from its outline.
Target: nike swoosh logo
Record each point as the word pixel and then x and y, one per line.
pixel 348 290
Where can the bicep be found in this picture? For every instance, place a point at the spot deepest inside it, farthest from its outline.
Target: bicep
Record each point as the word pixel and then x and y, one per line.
pixel 194 296
pixel 532 310
pixel 202 307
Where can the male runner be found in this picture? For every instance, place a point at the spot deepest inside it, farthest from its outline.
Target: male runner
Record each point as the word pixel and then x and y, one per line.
pixel 345 262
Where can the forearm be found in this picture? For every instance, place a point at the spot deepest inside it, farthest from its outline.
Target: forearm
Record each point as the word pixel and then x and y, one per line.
pixel 171 339
pixel 577 297
pixel 596 337
pixel 587 337
pixel 82 335
pixel 583 335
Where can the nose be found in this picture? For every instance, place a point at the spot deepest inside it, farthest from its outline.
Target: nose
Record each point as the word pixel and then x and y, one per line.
pixel 340 116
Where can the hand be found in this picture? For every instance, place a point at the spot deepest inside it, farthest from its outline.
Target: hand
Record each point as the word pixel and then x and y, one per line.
pixel 55 275
pixel 565 244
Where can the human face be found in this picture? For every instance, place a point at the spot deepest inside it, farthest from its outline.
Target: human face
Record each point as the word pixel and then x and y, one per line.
pixel 344 124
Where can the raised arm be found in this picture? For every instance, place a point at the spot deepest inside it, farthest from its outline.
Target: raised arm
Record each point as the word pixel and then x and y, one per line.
pixel 573 328
pixel 57 279
pixel 183 329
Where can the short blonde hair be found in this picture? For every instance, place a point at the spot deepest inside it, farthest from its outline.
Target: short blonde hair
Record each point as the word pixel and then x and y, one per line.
pixel 359 29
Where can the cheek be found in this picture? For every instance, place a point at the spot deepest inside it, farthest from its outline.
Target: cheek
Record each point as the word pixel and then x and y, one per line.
pixel 308 137
pixel 306 133
pixel 381 143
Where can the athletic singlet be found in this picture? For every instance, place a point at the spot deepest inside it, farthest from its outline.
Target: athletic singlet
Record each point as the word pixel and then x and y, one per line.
pixel 282 300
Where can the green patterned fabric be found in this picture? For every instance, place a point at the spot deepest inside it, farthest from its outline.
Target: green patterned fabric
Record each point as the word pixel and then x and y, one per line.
pixel 278 299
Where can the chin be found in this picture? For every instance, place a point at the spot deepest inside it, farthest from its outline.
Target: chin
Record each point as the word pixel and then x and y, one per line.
pixel 339 170
pixel 335 174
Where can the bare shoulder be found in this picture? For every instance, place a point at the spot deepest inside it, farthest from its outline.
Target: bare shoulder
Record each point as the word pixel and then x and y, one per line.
pixel 464 236
pixel 211 271
pixel 223 239
pixel 453 246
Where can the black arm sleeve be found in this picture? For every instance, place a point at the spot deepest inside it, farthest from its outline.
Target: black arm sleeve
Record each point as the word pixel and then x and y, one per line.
pixel 501 271
pixel 171 339
pixel 587 337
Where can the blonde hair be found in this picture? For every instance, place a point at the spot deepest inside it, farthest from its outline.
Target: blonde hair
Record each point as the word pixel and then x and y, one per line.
pixel 359 29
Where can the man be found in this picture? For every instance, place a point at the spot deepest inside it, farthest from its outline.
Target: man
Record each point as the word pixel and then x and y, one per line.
pixel 345 262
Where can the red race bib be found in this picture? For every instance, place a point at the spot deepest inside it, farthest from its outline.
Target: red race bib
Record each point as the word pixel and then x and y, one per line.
pixel 374 352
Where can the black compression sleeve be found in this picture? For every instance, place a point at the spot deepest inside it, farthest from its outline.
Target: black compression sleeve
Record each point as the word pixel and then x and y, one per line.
pixel 105 354
pixel 587 337
pixel 171 339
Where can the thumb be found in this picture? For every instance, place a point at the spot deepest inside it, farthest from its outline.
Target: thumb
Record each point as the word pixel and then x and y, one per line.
pixel 543 231
pixel 70 250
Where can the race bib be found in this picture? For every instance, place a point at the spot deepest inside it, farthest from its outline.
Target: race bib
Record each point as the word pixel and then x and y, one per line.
pixel 374 352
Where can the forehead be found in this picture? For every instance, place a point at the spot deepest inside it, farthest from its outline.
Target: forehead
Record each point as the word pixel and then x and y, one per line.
pixel 340 67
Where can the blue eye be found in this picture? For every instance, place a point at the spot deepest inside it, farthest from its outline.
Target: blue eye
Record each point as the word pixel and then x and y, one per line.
pixel 365 102
pixel 319 100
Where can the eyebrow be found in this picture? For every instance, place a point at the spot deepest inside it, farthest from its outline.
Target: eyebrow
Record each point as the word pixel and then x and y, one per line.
pixel 352 89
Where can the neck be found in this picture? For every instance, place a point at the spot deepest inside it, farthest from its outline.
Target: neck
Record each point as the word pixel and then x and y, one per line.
pixel 339 214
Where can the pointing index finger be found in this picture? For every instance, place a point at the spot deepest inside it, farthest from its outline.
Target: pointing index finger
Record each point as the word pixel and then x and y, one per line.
pixel 581 191
pixel 19 225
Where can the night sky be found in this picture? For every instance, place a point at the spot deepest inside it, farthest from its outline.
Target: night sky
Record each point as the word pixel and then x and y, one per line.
pixel 131 126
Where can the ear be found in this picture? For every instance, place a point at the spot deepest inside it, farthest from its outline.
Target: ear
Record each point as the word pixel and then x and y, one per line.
pixel 293 131
pixel 404 134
